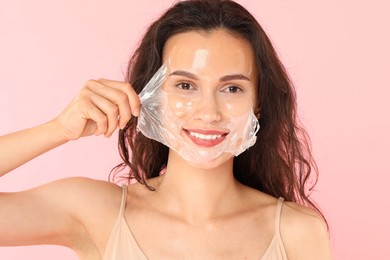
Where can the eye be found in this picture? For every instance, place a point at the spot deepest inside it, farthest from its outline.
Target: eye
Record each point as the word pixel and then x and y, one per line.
pixel 232 89
pixel 184 86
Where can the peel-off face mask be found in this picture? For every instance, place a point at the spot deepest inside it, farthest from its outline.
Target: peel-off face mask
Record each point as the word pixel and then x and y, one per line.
pixel 199 123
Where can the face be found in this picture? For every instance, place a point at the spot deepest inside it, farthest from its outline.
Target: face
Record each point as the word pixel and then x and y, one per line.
pixel 211 82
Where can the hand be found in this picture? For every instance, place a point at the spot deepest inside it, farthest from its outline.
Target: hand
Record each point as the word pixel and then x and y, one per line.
pixel 100 107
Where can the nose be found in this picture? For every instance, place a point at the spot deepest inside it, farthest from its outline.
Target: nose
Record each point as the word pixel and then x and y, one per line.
pixel 207 109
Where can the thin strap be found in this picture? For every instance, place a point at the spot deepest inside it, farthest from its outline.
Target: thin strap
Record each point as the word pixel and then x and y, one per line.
pixel 278 214
pixel 123 200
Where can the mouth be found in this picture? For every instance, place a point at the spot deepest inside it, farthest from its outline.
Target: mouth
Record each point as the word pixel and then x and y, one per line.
pixel 205 138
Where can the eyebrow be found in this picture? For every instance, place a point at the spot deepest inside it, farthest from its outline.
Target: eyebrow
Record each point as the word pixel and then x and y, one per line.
pixel 194 77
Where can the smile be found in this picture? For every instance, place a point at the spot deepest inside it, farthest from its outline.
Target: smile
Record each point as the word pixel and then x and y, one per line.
pixel 205 138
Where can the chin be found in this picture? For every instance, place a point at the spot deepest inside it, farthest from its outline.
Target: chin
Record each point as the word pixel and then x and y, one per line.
pixel 222 161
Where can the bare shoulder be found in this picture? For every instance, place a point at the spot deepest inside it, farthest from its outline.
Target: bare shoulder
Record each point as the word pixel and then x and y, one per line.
pixel 77 187
pixel 304 233
pixel 61 212
pixel 79 196
pixel 82 192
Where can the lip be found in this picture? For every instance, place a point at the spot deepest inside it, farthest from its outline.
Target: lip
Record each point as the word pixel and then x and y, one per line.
pixel 206 142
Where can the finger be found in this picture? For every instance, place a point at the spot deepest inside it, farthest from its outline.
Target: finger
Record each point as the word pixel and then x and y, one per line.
pixel 129 90
pixel 111 90
pixel 92 113
pixel 110 110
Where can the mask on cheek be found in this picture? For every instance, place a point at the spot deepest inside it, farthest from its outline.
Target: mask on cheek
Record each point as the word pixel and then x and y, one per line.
pixel 172 117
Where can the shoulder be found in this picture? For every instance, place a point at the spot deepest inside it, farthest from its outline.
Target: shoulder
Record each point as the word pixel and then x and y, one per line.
pixel 78 195
pixel 304 232
pixel 77 186
pixel 93 205
pixel 64 212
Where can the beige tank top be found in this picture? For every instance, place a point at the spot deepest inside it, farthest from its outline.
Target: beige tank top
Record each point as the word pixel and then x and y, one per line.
pixel 123 246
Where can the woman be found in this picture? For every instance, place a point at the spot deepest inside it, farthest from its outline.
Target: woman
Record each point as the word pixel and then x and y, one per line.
pixel 217 206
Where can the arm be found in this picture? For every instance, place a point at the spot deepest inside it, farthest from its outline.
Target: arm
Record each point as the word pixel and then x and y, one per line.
pixel 20 147
pixel 72 212
pixel 43 215
pixel 100 108
pixel 56 213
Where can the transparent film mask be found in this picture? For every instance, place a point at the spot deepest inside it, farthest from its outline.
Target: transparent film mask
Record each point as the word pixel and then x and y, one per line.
pixel 199 124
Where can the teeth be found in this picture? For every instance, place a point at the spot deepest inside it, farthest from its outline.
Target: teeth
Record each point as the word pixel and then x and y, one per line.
pixel 205 137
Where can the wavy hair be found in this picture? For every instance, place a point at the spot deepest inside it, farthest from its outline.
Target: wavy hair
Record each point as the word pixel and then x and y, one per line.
pixel 280 163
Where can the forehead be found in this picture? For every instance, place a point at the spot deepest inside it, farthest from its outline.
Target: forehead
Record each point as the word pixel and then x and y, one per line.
pixel 218 50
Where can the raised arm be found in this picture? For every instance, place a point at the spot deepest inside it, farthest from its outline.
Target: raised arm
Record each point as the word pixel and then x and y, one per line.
pixel 20 147
pixel 101 106
pixel 56 213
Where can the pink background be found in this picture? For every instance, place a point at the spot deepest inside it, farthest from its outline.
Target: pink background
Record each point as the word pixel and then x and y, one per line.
pixel 336 51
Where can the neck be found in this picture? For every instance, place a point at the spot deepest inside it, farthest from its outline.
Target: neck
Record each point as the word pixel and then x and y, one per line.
pixel 198 194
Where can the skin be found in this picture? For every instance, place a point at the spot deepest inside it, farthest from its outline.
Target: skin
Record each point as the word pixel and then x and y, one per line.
pixel 221 82
pixel 204 211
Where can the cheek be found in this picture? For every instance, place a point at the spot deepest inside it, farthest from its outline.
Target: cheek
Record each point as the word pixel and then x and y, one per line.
pixel 255 105
pixel 179 106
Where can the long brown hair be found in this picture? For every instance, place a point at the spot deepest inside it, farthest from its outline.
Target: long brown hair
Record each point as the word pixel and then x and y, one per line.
pixel 280 163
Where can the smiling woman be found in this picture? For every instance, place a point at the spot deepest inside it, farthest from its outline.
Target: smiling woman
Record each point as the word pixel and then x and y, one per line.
pixel 204 104
pixel 213 185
